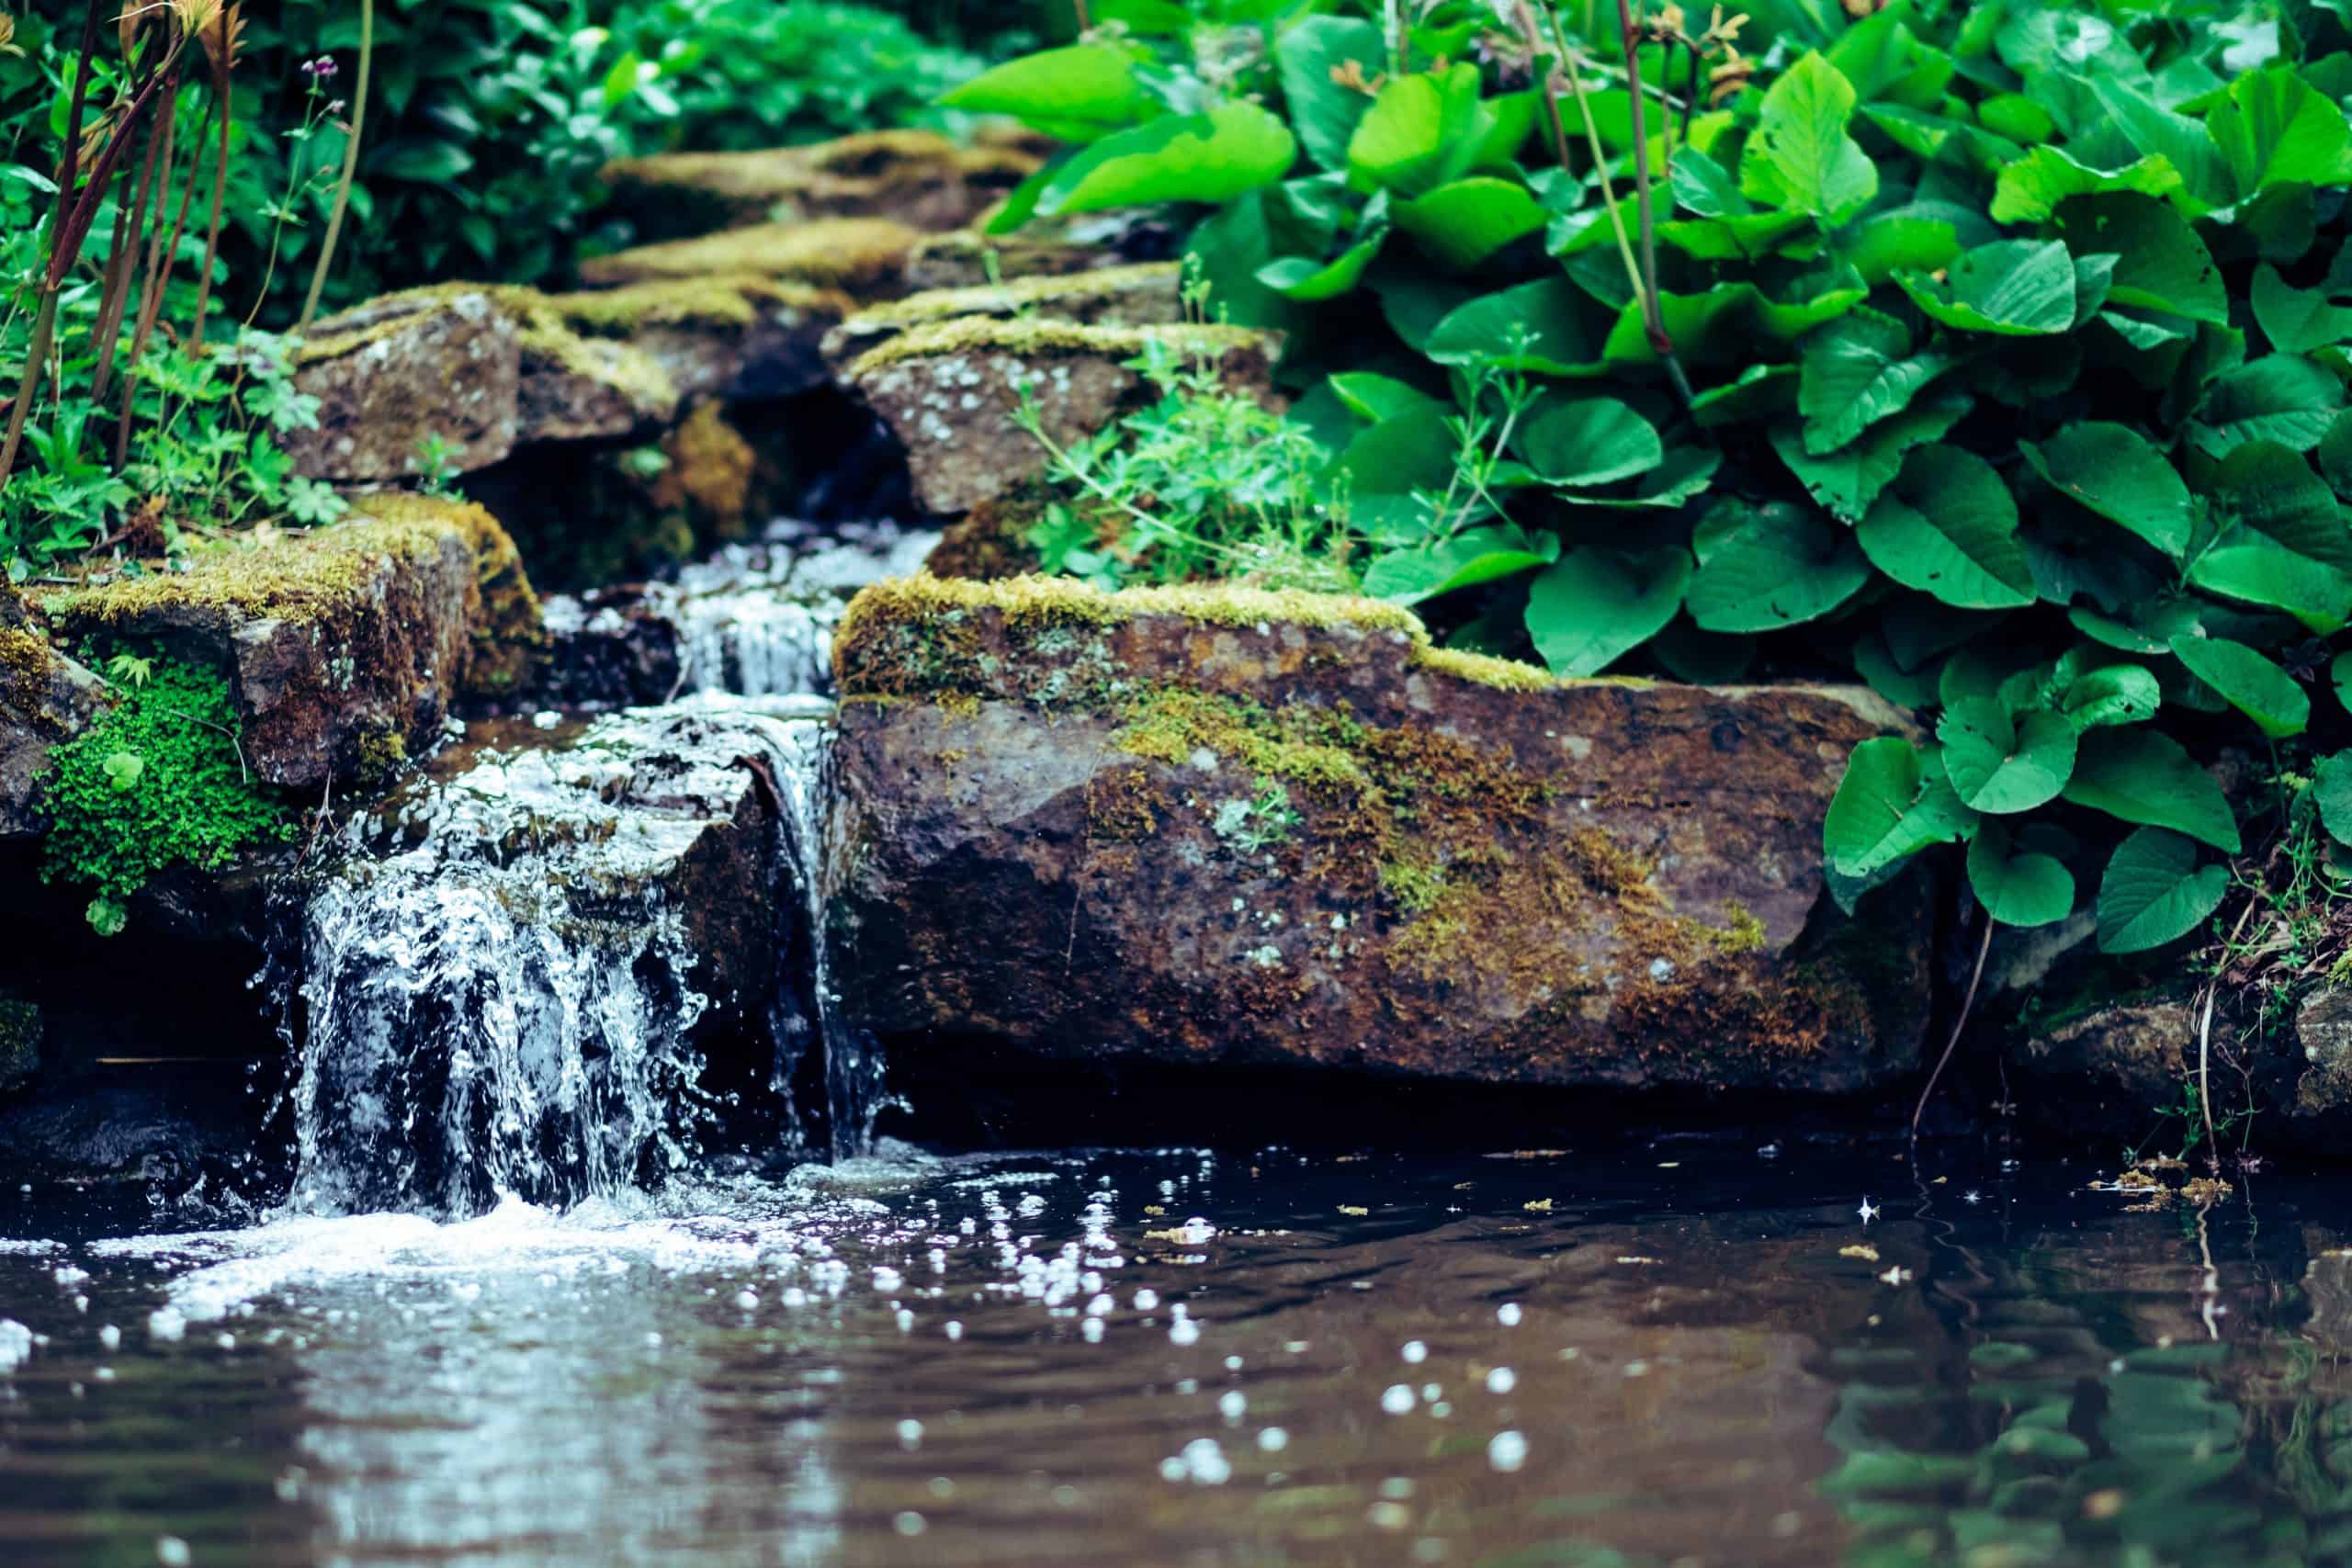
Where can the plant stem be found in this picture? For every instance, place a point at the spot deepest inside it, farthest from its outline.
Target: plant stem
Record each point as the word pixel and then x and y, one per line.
pixel 1967 1005
pixel 1652 313
pixel 350 165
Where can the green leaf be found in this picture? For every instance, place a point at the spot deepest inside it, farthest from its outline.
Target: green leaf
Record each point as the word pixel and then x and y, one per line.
pixel 1849 479
pixel 2012 287
pixel 1304 279
pixel 122 769
pixel 1375 397
pixel 2315 593
pixel 1728 324
pixel 2274 492
pixel 1858 370
pixel 1482 332
pixel 2113 694
pixel 2030 191
pixel 2161 265
pixel 2332 792
pixel 2274 129
pixel 1594 605
pixel 1417 132
pixel 1464 222
pixel 2001 762
pixel 1211 157
pixel 1588 441
pixel 2114 473
pixel 1947 526
pixel 423 160
pixel 1387 462
pixel 1470 557
pixel 1800 156
pixel 2185 143
pixel 1323 112
pixel 2143 777
pixel 1889 805
pixel 1763 568
pixel 1085 91
pixel 2250 683
pixel 2297 321
pixel 2021 889
pixel 2280 396
pixel 1686 471
pixel 2154 893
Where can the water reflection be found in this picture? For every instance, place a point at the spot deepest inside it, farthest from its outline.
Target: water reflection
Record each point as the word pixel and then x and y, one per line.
pixel 1191 1358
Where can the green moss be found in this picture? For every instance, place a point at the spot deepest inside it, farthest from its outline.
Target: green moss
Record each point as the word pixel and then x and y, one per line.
pixel 156 781
pixel 1042 294
pixel 28 665
pixel 507 636
pixel 1503 674
pixel 1037 337
pixel 323 574
pixel 736 300
pixel 855 253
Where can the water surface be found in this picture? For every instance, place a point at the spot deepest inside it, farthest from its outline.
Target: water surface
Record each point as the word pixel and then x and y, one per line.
pixel 1665 1355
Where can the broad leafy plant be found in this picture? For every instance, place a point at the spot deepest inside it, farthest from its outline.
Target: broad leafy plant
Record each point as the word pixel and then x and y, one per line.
pixel 1993 354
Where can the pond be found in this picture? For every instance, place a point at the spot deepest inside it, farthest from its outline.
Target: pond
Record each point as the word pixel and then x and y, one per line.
pixel 1657 1353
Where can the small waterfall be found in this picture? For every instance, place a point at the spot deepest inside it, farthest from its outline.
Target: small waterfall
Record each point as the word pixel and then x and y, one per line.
pixel 495 982
pixel 757 620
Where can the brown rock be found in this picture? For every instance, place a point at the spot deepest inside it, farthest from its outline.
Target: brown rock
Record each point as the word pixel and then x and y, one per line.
pixel 45 698
pixel 949 391
pixel 866 257
pixel 1146 294
pixel 734 338
pixel 968 258
pixel 1231 826
pixel 910 177
pixel 343 646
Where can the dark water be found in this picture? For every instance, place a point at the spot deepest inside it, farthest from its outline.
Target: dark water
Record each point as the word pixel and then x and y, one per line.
pixel 1654 1357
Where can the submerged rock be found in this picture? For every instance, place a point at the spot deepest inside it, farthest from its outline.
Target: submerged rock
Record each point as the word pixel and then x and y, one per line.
pixel 344 645
pixel 45 698
pixel 949 390
pixel 1219 826
pixel 915 178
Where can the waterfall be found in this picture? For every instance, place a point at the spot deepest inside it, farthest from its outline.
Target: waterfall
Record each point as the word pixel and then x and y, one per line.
pixel 758 620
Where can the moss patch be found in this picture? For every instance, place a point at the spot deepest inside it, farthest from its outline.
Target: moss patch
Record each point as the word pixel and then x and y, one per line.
pixel 854 253
pixel 737 300
pixel 1043 295
pixel 508 637
pixel 1032 338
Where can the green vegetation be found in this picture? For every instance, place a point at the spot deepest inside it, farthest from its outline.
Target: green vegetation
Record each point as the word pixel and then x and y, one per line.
pixel 157 782
pixel 1995 356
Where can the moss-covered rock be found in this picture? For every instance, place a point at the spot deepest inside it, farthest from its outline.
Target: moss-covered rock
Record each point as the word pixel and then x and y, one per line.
pixel 336 640
pixel 912 177
pixel 737 338
pixel 949 390
pixel 45 699
pixel 1146 294
pixel 864 256
pixel 1217 825
pixel 968 258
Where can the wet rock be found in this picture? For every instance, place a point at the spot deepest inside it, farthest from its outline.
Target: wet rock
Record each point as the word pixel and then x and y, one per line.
pixel 991 541
pixel 1216 825
pixel 45 698
pixel 732 338
pixel 21 1035
pixel 346 646
pixel 2106 1069
pixel 476 369
pixel 914 178
pixel 864 256
pixel 2324 1030
pixel 949 391
pixel 96 1128
pixel 1147 294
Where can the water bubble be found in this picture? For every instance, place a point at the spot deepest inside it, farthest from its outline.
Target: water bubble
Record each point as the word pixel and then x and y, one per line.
pixel 1508 1314
pixel 173 1552
pixel 908 1523
pixel 1233 1404
pixel 1205 1464
pixel 1506 1452
pixel 167 1323
pixel 748 1299
pixel 1171 1469
pixel 1273 1440
pixel 1184 1331
pixel 1502 1380
pixel 111 1337
pixel 1147 1300
pixel 1415 1352
pixel 954 1330
pixel 1091 1329
pixel 1389 1516
pixel 1397 1399
pixel 909 1434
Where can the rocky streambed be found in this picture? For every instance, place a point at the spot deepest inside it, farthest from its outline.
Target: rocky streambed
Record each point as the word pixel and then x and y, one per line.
pixel 565 898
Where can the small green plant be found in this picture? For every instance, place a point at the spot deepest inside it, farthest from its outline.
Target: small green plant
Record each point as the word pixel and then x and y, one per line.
pixel 1259 823
pixel 157 781
pixel 435 463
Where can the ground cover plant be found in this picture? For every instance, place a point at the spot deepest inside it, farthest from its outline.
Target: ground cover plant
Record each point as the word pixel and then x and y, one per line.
pixel 1994 355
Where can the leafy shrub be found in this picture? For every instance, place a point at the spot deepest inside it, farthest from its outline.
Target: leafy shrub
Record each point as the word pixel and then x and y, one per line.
pixel 1994 353
pixel 157 782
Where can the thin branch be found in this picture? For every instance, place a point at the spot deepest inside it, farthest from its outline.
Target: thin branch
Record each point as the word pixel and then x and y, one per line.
pixel 350 165
pixel 1967 1006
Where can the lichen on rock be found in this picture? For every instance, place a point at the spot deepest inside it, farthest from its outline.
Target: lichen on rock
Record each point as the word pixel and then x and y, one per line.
pixel 736 337
pixel 914 178
pixel 1144 293
pixel 866 257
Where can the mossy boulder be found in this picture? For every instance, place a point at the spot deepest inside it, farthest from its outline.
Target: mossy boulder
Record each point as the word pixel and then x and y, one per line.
pixel 733 337
pixel 1146 294
pixel 479 369
pixel 864 256
pixel 968 258
pixel 949 390
pixel 1220 826
pixel 346 646
pixel 45 698
pixel 914 178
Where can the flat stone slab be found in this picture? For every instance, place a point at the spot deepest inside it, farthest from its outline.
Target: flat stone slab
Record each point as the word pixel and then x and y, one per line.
pixel 344 645
pixel 864 256
pixel 949 390
pixel 914 178
pixel 1144 293
pixel 734 338
pixel 1235 827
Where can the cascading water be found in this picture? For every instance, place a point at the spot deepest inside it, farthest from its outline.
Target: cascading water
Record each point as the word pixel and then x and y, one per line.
pixel 494 982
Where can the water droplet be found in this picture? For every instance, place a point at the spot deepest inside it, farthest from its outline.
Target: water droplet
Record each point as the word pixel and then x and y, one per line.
pixel 1398 1400
pixel 1506 1452
pixel 1415 1352
pixel 909 1434
pixel 1273 1440
pixel 1508 1314
pixel 1502 1380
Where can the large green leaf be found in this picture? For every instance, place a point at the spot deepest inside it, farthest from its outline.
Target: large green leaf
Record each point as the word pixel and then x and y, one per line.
pixel 1210 157
pixel 1085 91
pixel 2161 265
pixel 1889 805
pixel 1418 134
pixel 1593 606
pixel 2119 476
pixel 1588 441
pixel 1763 568
pixel 1323 110
pixel 2143 777
pixel 1849 479
pixel 2017 886
pixel 1471 557
pixel 1728 324
pixel 2298 320
pixel 1800 156
pixel 2315 593
pixel 2273 492
pixel 2112 694
pixel 2275 129
pixel 2250 683
pixel 2031 189
pixel 1384 467
pixel 2148 127
pixel 1308 280
pixel 2012 287
pixel 1947 526
pixel 1464 222
pixel 2281 397
pixel 2332 792
pixel 2004 762
pixel 1547 314
pixel 2154 893
pixel 1856 371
